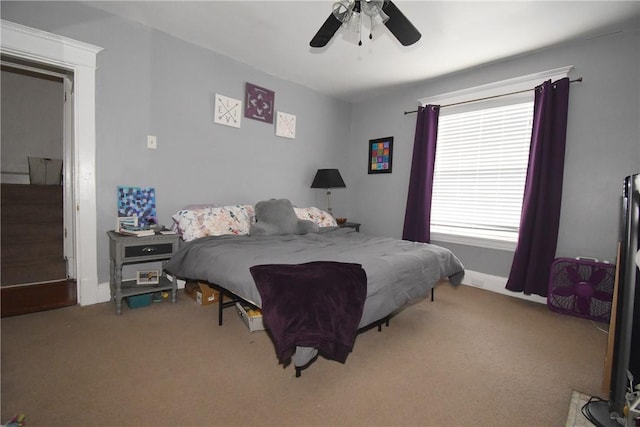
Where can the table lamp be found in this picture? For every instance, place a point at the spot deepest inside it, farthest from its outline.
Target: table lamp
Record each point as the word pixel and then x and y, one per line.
pixel 328 178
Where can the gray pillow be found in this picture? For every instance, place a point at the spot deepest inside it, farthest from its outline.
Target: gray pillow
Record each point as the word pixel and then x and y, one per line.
pixel 276 216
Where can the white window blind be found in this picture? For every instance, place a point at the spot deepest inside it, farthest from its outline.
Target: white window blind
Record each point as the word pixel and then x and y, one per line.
pixel 480 171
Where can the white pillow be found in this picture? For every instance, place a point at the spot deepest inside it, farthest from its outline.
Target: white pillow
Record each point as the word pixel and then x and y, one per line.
pixel 320 217
pixel 213 221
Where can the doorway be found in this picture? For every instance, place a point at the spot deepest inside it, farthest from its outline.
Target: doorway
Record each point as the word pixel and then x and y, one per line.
pixel 36 117
pixel 20 41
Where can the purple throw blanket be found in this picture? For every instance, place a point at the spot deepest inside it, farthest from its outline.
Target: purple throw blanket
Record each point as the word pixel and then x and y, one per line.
pixel 316 304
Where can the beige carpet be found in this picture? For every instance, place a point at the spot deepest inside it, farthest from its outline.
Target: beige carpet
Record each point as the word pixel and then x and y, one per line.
pixel 471 358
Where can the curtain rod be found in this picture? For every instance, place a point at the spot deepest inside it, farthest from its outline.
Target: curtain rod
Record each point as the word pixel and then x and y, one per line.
pixel 579 79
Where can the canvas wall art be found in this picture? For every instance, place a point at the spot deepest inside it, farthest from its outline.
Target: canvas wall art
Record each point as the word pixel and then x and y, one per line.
pixel 259 103
pixel 286 125
pixel 227 111
pixel 138 202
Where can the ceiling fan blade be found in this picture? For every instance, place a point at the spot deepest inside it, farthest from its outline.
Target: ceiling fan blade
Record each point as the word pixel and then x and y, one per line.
pixel 399 25
pixel 326 32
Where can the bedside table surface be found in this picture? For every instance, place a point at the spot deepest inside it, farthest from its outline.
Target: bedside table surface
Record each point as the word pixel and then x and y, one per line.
pixel 126 238
pixel 349 224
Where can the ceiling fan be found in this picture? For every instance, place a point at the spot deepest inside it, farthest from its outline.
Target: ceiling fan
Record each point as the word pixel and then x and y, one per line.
pixel 349 12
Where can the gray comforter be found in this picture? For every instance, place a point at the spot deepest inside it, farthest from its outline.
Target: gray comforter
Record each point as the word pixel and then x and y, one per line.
pixel 398 271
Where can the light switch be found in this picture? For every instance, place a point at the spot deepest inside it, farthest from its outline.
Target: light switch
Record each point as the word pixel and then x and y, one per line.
pixel 152 142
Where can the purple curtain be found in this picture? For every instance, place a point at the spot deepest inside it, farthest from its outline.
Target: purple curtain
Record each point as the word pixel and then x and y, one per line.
pixel 540 218
pixel 417 218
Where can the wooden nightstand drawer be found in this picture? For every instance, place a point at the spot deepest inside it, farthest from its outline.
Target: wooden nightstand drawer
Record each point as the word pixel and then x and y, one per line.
pixel 148 250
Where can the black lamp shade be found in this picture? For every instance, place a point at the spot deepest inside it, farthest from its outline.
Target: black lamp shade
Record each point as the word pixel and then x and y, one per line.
pixel 328 178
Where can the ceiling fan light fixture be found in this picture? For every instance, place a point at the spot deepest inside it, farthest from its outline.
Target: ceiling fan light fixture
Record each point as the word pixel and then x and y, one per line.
pixel 372 8
pixel 355 22
pixel 342 10
pixel 383 16
pixel 347 13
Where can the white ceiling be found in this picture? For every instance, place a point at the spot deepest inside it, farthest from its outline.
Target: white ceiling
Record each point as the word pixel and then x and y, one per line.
pixel 273 36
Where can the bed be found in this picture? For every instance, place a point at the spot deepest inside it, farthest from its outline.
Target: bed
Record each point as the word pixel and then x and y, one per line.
pixel 397 271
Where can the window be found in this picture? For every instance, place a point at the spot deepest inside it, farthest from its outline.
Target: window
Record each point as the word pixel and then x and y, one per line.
pixel 481 166
pixel 481 160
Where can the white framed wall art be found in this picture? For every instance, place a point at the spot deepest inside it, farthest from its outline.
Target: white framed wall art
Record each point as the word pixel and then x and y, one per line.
pixel 227 111
pixel 286 125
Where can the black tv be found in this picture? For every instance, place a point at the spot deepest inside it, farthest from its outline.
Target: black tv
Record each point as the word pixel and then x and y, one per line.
pixel 626 347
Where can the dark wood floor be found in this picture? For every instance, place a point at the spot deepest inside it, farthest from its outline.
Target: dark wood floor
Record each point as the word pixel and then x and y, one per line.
pixel 32 298
pixel 33 274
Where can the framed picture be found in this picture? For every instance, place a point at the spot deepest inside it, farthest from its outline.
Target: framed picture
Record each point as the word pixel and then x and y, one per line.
pixel 286 125
pixel 380 155
pixel 148 277
pixel 259 103
pixel 227 111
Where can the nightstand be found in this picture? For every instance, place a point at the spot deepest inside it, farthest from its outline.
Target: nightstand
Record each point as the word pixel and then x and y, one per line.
pixel 354 225
pixel 137 250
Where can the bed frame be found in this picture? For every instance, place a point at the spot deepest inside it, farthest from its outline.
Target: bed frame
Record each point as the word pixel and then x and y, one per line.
pixel 233 299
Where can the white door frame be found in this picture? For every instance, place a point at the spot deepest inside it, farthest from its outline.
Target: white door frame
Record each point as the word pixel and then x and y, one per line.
pixel 69 184
pixel 48 48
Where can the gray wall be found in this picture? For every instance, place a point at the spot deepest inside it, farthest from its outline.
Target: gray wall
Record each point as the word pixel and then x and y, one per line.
pixel 27 99
pixel 603 146
pixel 149 83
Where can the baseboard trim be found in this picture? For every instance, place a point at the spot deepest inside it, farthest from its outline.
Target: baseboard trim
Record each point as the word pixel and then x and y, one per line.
pixel 496 284
pixel 104 292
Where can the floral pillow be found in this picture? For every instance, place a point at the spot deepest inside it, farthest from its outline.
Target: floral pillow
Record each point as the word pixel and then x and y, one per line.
pixel 213 221
pixel 320 217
